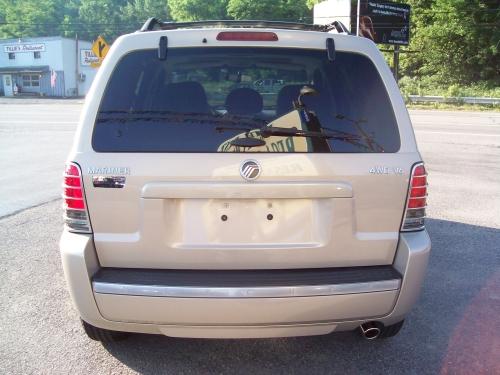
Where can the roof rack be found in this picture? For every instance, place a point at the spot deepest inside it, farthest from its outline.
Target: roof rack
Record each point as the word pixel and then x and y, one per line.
pixel 153 24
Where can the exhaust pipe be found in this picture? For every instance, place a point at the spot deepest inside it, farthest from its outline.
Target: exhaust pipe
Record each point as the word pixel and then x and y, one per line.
pixel 370 330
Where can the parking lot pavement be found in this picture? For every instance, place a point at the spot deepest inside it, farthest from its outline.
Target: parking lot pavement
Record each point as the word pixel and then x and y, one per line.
pixel 452 329
pixel 34 142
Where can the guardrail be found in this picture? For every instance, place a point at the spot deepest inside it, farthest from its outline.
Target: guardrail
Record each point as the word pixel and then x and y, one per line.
pixel 442 99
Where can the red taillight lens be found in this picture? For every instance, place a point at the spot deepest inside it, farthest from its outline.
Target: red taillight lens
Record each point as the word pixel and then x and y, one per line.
pixel 247 36
pixel 72 181
pixel 416 203
pixel 72 170
pixel 419 181
pixel 73 193
pixel 76 216
pixel 76 204
pixel 417 192
pixel 419 170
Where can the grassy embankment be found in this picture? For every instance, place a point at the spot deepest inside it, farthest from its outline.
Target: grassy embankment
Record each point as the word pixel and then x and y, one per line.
pixel 424 87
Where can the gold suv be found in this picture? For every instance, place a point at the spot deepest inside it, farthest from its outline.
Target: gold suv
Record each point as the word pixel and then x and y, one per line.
pixel 201 202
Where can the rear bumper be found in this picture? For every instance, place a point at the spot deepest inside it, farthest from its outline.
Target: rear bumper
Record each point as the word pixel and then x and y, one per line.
pixel 122 300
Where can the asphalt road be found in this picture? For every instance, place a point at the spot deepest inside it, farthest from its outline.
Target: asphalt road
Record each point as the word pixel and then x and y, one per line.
pixel 452 329
pixel 34 142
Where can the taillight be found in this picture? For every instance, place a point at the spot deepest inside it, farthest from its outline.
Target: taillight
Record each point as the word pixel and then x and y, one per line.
pixel 76 215
pixel 416 202
pixel 247 36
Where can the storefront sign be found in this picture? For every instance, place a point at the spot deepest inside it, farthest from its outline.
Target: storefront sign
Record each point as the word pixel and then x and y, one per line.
pixel 21 48
pixel 87 57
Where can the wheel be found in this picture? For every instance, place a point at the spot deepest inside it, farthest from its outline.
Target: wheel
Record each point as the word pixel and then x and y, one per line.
pixel 103 335
pixel 392 330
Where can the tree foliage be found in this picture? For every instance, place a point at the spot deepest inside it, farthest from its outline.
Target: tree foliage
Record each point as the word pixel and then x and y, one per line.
pixel 23 18
pixel 196 10
pixel 103 15
pixel 137 11
pixel 462 42
pixel 283 10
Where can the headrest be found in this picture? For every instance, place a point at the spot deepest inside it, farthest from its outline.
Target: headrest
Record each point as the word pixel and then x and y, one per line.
pixel 244 101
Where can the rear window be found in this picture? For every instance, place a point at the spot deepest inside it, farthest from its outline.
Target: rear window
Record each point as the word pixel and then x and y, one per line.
pixel 227 99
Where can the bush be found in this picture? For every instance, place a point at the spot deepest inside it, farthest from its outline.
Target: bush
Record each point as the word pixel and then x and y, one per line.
pixel 454 91
pixel 428 85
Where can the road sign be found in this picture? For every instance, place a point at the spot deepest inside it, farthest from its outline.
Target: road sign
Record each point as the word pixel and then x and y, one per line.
pixel 100 49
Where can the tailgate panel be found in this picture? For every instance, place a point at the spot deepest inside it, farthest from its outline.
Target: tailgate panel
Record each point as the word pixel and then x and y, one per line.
pixel 328 210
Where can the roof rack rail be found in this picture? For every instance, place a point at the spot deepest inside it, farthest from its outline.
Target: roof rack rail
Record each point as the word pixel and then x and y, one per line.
pixel 153 24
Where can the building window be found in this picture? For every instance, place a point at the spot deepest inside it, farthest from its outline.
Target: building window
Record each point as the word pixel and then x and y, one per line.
pixel 36 54
pixel 32 80
pixel 12 56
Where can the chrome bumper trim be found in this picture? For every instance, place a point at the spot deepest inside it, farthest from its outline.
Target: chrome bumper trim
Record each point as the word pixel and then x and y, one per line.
pixel 244 292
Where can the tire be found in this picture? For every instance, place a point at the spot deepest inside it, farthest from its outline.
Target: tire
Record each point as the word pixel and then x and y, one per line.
pixel 103 335
pixel 392 330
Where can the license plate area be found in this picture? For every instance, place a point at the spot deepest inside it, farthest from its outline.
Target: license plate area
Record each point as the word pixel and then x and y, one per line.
pixel 252 222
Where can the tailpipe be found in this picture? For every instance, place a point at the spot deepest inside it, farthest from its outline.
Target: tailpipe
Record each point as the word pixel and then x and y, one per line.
pixel 370 330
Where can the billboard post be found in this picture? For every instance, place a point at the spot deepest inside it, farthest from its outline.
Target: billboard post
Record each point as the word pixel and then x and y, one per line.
pixel 396 63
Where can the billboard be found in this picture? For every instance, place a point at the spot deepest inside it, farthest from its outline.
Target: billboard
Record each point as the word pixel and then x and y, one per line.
pixel 383 22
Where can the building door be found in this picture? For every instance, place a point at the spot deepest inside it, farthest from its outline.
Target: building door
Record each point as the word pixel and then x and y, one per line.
pixel 8 85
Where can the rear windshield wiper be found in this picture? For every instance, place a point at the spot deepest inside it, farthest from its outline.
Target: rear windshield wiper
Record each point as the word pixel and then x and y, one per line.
pixel 294 132
pixel 268 131
pixel 179 117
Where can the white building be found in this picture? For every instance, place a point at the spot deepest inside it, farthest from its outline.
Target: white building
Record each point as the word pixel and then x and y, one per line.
pixel 46 66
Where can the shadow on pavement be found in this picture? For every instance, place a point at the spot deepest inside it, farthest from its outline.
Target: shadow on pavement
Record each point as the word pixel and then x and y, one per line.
pixel 452 329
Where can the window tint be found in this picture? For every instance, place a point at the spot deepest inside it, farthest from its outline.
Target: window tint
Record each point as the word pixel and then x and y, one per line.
pixel 208 99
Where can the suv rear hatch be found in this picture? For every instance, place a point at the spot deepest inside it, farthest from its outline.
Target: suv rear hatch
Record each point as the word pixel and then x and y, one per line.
pixel 171 130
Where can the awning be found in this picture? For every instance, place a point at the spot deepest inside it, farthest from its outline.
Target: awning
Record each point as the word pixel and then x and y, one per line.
pixel 24 69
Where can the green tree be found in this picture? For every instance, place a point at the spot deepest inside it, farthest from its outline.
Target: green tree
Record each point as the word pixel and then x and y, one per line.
pixel 311 3
pixel 420 18
pixel 461 45
pixel 31 18
pixel 103 17
pixel 195 10
pixel 281 10
pixel 138 11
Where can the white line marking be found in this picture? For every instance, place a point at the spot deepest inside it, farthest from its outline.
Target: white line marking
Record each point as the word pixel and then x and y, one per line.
pixel 34 122
pixel 457 133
